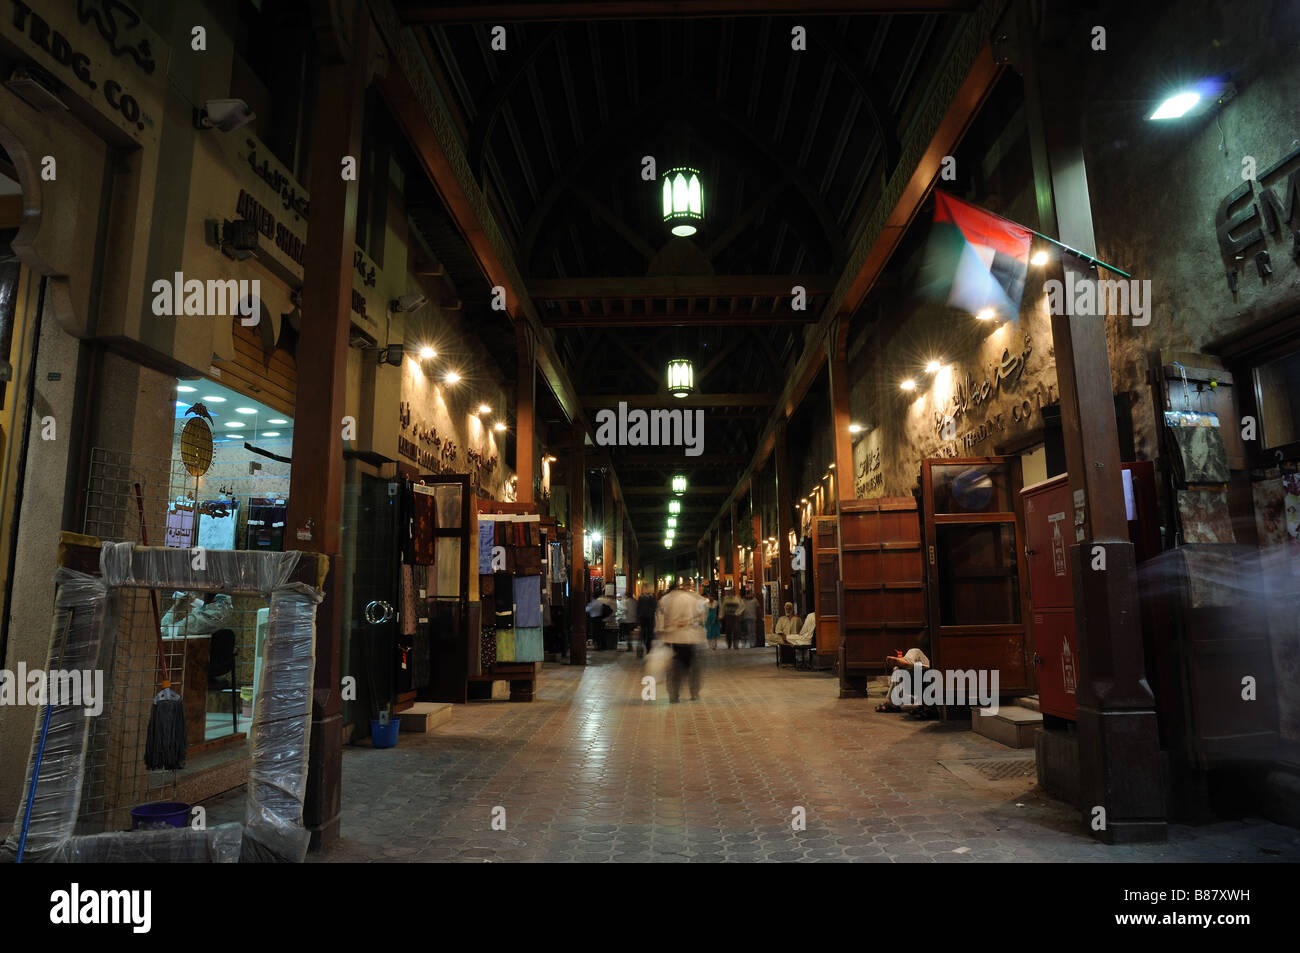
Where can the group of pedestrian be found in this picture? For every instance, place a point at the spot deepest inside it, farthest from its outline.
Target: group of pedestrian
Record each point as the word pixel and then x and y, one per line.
pixel 741 619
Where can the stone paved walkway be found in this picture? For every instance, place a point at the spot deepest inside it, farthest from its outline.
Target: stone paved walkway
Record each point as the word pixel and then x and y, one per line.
pixel 590 772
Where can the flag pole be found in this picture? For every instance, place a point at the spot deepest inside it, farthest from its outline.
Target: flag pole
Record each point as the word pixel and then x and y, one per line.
pixel 1078 254
pixel 1090 259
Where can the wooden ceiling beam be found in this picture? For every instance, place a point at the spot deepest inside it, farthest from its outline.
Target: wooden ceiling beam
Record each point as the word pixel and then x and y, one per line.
pixel 486 11
pixel 662 400
pixel 746 319
pixel 693 286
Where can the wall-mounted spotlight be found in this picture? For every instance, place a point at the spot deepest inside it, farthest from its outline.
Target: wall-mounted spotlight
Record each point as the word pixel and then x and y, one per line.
pixel 226 115
pixel 484 409
pixel 933 367
pixel 499 427
pixel 427 353
pixel 407 303
pixel 452 378
pixel 855 428
pixel 908 385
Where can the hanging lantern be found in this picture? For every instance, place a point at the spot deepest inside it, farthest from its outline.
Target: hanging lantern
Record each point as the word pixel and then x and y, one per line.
pixel 679 485
pixel 683 201
pixel 672 522
pixel 681 377
pixel 674 507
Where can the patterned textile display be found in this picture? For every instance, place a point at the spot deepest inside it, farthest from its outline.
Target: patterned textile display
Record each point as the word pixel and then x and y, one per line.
pixel 528 644
pixel 486 533
pixel 487 647
pixel 421 657
pixel 487 584
pixel 424 525
pixel 504 598
pixel 528 601
pixel 408 600
pixel 1199 452
pixel 528 561
pixel 558 569
pixel 505 645
pixel 1204 517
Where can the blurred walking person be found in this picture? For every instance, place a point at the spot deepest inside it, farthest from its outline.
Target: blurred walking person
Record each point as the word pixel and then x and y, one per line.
pixel 645 618
pixel 680 623
pixel 711 628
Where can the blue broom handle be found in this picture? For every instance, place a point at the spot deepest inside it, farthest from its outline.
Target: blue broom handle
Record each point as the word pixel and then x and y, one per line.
pixel 36 773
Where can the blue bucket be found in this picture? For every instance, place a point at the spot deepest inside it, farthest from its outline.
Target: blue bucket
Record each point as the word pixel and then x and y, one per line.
pixel 384 736
pixel 148 817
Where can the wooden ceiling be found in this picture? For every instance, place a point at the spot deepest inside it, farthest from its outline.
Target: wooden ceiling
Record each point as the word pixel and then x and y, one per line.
pixel 792 145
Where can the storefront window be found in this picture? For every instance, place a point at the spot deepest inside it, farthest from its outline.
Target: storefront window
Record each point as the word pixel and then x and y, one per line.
pixel 1277 386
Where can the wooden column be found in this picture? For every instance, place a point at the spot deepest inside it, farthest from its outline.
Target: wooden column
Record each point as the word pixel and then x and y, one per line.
pixel 758 568
pixel 525 423
pixel 607 530
pixel 784 514
pixel 735 550
pixel 838 366
pixel 1119 747
pixel 577 571
pixel 316 482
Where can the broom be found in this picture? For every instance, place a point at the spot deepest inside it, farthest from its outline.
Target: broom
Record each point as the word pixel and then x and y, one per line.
pixel 164 744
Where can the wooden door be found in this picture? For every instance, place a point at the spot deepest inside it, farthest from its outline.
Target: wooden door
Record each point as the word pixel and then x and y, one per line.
pixel 975 569
pixel 883 580
pixel 826 581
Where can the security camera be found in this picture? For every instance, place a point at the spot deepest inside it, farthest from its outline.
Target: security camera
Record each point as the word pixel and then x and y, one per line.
pixel 224 114
pixel 408 302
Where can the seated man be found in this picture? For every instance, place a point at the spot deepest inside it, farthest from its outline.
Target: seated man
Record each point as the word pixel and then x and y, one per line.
pixel 786 626
pixel 913 658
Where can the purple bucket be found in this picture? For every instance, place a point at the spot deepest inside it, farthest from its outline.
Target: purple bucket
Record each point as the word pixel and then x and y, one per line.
pixel 148 817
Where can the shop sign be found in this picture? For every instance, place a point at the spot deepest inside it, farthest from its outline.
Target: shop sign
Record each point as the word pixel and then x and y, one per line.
pixel 1269 211
pixel 57 44
pixel 969 395
pixel 298 204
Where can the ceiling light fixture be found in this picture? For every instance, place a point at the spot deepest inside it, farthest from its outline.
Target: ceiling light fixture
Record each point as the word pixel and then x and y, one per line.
pixel 674 506
pixel 681 377
pixel 683 201
pixel 679 485
pixel 214 399
pixel 987 314
pixel 855 428
pixel 277 420
pixel 484 409
pixel 1176 106
pixel 184 389
pixel 427 353
pixel 271 433
pixel 1039 258
pixel 933 367
pixel 452 378
pixel 245 410
pixel 908 385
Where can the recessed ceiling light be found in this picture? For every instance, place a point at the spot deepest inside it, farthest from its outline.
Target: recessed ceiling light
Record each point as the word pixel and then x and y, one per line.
pixel 235 424
pixel 214 399
pixel 185 389
pixel 271 433
pixel 277 420
pixel 1176 106
pixel 245 410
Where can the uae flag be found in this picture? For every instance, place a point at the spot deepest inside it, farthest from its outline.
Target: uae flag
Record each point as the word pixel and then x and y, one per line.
pixel 974 259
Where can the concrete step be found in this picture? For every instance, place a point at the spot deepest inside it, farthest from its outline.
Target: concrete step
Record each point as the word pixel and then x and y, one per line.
pixel 423 717
pixel 1028 701
pixel 1012 726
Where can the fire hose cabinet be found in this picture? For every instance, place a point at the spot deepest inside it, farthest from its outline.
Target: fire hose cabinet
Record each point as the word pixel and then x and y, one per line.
pixel 1049 533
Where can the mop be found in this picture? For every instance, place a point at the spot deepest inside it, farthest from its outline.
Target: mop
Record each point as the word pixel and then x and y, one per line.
pixel 164 745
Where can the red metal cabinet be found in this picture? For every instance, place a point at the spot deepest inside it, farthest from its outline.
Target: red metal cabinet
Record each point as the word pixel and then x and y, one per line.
pixel 1048 534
